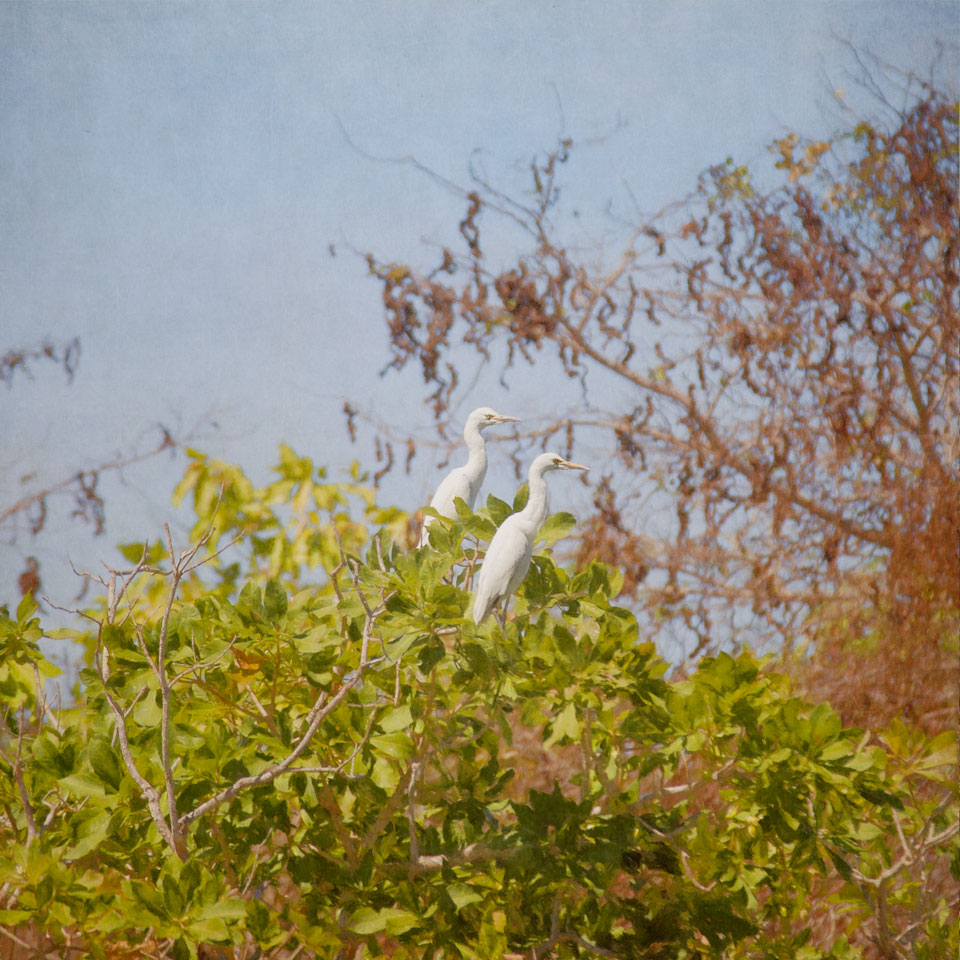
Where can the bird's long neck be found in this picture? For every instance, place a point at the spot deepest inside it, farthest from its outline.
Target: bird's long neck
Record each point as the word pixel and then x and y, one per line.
pixel 476 465
pixel 535 512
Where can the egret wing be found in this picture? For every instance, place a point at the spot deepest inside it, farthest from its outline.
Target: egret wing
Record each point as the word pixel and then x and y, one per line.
pixel 454 485
pixel 508 557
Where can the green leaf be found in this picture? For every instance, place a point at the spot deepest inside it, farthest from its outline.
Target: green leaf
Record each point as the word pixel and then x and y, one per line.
pixel 498 509
pixel 399 922
pixel 366 921
pixel 274 599
pixel 26 608
pixel 384 774
pixel 15 917
pixel 843 868
pixel 60 912
pixel 172 896
pixel 824 722
pixel 211 928
pixel 463 895
pixel 397 745
pixel 565 725
pixel 147 712
pixel 941 752
pixel 261 921
pixel 837 750
pixel 566 643
pixel 225 910
pixel 390 920
pixel 556 527
pixel 397 718
pixel 148 897
pixel 105 763
pixel 859 762
pixel 250 599
pixel 46 668
pixel 546 810
pixel 82 785
pixel 880 797
pixel 90 835
pixel 317 639
pixel 184 949
pixel 867 831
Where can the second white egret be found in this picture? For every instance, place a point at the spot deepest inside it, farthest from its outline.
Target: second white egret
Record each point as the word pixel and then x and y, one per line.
pixel 511 550
pixel 465 481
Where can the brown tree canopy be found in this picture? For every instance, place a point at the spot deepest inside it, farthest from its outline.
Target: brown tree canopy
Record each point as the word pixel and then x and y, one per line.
pixel 786 466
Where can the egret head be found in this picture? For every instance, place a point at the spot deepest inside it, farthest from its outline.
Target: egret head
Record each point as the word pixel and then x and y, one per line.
pixel 484 417
pixel 553 461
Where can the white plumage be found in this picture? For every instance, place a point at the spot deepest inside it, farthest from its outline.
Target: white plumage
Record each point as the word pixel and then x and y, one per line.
pixel 509 554
pixel 465 481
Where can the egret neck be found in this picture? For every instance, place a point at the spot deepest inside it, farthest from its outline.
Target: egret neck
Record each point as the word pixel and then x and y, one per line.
pixel 476 466
pixel 531 517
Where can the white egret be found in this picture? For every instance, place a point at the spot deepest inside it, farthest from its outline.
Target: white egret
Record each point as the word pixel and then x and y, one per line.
pixel 465 481
pixel 509 554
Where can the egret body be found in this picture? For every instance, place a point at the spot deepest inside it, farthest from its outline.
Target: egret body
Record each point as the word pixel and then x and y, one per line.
pixel 465 481
pixel 509 554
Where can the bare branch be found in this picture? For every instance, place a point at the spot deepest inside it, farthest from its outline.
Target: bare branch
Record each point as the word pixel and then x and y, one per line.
pixel 322 708
pixel 84 483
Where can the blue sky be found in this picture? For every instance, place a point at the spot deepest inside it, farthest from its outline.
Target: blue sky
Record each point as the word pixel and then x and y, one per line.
pixel 172 175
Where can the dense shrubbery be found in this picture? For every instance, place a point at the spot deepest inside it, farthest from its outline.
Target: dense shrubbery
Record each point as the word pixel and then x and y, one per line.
pixel 290 740
pixel 290 735
pixel 769 377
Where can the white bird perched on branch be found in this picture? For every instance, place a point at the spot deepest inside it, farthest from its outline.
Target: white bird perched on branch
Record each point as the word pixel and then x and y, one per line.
pixel 509 554
pixel 465 481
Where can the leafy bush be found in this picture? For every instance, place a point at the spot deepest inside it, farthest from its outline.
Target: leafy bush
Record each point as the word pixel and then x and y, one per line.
pixel 291 736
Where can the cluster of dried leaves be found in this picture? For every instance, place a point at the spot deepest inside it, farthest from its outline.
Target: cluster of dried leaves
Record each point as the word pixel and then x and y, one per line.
pixel 791 359
pixel 23 358
pixel 786 471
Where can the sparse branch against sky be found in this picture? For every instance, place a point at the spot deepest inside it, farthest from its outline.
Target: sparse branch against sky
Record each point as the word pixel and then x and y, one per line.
pixel 177 191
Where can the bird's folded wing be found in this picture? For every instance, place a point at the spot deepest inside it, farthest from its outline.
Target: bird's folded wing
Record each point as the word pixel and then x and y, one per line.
pixel 506 554
pixel 454 485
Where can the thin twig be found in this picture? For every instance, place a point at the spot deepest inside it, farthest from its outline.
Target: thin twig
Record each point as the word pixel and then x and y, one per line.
pixel 21 786
pixel 322 708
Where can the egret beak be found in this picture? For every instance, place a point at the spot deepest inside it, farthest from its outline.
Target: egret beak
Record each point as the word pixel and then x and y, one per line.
pixel 503 418
pixel 569 465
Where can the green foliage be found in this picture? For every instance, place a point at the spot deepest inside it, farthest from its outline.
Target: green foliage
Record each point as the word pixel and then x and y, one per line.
pixel 302 740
